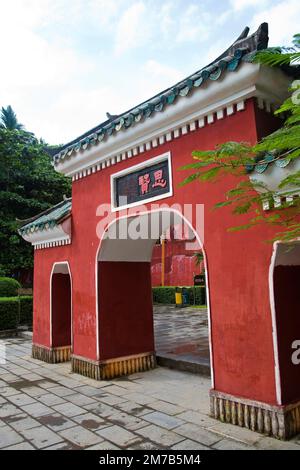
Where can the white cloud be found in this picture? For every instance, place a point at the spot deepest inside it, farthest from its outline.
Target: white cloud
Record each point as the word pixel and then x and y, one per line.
pixel 131 28
pixel 194 24
pixel 64 64
pixel 38 72
pixel 144 24
pixel 29 13
pixel 283 20
pixel 155 70
pixel 166 20
pixel 239 5
pixel 80 110
pixel 105 11
pixel 223 17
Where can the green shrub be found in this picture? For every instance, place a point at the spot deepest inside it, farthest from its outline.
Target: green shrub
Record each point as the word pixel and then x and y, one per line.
pixel 9 287
pixel 163 295
pixel 2 271
pixel 199 292
pixel 26 308
pixel 9 313
pixel 166 295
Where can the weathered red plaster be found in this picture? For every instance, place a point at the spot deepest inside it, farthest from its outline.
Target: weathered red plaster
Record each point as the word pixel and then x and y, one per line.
pixel 180 264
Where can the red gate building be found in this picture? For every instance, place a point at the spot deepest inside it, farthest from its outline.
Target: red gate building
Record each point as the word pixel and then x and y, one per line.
pixel 125 173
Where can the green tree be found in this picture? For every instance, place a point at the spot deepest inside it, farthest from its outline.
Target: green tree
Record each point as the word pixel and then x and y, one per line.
pixel 198 258
pixel 28 185
pixel 8 119
pixel 238 158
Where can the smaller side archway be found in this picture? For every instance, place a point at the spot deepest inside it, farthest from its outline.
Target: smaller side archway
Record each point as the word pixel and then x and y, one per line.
pixel 285 306
pixel 61 311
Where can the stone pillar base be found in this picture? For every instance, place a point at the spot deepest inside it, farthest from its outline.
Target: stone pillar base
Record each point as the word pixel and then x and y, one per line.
pixel 281 422
pixel 109 369
pixel 51 355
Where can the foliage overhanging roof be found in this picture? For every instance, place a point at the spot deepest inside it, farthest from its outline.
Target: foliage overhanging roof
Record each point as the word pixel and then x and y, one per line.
pixel 241 50
pixel 267 159
pixel 47 219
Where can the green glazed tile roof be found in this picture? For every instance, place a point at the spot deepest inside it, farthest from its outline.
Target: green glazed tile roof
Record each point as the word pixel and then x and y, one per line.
pixel 47 219
pixel 240 50
pixel 263 162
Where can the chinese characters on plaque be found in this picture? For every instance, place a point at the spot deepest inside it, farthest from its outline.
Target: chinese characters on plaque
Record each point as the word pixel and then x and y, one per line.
pixel 145 181
pixel 149 182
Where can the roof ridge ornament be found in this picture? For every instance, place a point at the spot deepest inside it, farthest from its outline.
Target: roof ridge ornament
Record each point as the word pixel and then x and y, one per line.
pixel 111 117
pixel 255 42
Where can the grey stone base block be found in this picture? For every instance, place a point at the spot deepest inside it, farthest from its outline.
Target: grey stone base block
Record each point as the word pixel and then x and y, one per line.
pixel 281 422
pixel 51 355
pixel 105 370
pixel 8 333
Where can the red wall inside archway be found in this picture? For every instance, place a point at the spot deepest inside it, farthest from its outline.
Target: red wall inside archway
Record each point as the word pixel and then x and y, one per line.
pixel 180 264
pixel 61 310
pixel 125 309
pixel 287 306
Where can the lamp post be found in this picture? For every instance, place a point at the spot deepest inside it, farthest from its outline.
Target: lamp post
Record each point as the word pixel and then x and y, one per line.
pixel 163 246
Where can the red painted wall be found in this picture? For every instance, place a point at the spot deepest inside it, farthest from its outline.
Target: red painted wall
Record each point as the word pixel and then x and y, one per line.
pixel 61 310
pixel 83 294
pixel 287 304
pixel 238 266
pixel 265 122
pixel 180 265
pixel 125 309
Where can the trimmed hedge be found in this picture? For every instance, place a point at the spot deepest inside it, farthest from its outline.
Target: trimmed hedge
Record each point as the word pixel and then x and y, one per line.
pixel 9 313
pixel 15 311
pixel 9 287
pixel 163 295
pixel 200 294
pixel 26 309
pixel 166 295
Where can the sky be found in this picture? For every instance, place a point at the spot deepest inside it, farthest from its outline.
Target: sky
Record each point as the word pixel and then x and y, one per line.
pixel 65 63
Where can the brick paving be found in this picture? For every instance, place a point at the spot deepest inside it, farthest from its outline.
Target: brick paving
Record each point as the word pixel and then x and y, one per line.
pixel 45 406
pixel 181 334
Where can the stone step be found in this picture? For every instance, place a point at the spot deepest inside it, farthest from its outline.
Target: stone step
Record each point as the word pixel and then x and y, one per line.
pixel 201 368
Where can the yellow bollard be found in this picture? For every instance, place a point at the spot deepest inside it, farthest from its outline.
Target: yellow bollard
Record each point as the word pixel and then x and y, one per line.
pixel 178 299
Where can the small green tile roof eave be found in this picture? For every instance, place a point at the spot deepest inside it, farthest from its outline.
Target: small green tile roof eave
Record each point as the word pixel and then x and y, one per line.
pixel 263 161
pixel 241 50
pixel 47 219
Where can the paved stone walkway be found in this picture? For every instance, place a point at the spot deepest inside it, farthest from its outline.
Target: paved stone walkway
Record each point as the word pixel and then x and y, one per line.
pixel 182 333
pixel 45 406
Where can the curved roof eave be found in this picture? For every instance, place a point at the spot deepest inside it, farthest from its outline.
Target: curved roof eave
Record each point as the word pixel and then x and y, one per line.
pixel 228 61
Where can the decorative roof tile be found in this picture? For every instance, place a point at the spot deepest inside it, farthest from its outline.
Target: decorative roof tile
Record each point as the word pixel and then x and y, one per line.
pixel 47 219
pixel 263 162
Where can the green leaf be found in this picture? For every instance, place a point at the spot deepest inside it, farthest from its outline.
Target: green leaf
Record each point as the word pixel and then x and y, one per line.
pixel 222 204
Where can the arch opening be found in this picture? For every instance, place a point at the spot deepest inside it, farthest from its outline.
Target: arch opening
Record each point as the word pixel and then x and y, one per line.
pixel 285 303
pixel 125 301
pixel 61 307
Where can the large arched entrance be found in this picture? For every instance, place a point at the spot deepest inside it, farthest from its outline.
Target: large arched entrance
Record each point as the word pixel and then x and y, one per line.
pixel 125 307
